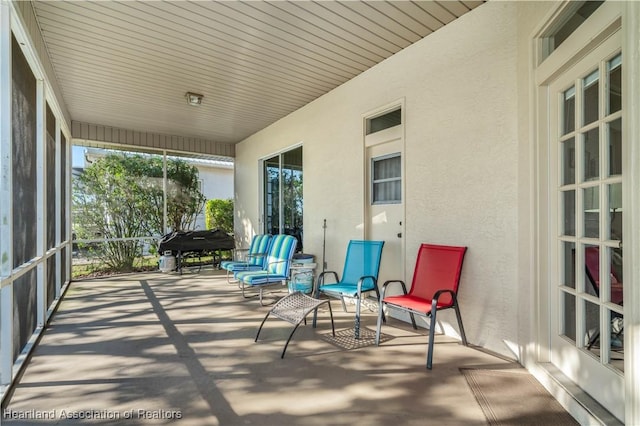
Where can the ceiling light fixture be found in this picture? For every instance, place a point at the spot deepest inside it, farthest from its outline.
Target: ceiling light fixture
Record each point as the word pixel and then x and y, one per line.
pixel 194 98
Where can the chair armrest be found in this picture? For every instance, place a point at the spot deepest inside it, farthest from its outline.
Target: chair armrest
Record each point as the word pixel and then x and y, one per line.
pixel 439 293
pixel 266 269
pixel 402 284
pixel 386 283
pixel 322 274
pixel 364 278
pixel 249 256
pixel 274 262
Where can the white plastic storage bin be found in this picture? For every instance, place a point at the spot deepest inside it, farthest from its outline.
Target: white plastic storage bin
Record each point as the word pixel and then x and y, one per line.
pixel 302 274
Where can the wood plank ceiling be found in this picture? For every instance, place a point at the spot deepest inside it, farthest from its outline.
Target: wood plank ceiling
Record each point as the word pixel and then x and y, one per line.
pixel 128 64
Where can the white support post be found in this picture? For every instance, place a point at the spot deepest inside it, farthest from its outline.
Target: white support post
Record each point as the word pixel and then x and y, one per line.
pixel 6 201
pixel 41 202
pixel 164 193
pixel 69 213
pixel 59 238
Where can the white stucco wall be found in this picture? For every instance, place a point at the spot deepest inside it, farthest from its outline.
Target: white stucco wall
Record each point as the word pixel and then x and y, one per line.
pixel 217 183
pixel 462 155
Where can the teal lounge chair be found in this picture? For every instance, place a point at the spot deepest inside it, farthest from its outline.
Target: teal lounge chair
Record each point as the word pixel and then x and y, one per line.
pixel 276 269
pixel 360 275
pixel 255 257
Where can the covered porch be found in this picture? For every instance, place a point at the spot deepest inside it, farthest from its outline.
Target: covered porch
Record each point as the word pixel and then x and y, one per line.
pixel 512 131
pixel 158 348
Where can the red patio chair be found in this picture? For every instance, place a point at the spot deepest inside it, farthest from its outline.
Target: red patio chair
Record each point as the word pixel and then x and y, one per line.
pixel 434 288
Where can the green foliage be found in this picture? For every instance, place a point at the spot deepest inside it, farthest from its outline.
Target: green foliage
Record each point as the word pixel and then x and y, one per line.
pixel 219 214
pixel 121 196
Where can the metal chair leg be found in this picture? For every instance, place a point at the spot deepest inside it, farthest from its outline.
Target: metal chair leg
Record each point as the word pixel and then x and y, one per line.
pixel 357 324
pixel 344 305
pixel 261 324
pixel 316 295
pixel 432 334
pixel 377 290
pixel 333 328
pixel 413 320
pixel 243 295
pixel 288 340
pixel 379 324
pixel 462 335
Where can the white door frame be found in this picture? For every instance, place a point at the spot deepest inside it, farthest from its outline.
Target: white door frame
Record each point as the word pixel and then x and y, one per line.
pixel 395 135
pixel 629 20
pixel 631 197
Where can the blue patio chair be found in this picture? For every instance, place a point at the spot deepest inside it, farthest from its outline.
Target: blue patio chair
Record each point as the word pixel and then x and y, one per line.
pixel 255 257
pixel 360 275
pixel 276 267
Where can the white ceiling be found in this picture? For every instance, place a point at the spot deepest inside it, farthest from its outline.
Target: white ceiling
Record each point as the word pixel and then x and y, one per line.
pixel 128 64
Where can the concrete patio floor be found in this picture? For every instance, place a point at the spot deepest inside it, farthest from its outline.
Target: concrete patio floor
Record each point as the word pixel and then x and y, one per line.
pixel 159 348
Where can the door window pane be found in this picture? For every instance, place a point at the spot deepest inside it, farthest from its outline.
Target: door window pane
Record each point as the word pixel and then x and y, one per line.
pixel 591 197
pixel 590 98
pixel 568 326
pixel 616 294
pixel 595 339
pixel 568 161
pixel 614 68
pixel 614 133
pixel 616 348
pixel 591 324
pixel 272 195
pixel 292 193
pixel 569 264
pixel 615 211
pixel 591 155
pixel 387 180
pixel 569 212
pixel 592 270
pixel 569 111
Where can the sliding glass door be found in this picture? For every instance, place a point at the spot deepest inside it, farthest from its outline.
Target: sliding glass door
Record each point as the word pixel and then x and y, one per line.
pixel 282 194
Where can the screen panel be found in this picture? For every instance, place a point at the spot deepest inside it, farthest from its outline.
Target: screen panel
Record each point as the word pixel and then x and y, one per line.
pixel 25 310
pixel 50 161
pixel 23 123
pixel 51 280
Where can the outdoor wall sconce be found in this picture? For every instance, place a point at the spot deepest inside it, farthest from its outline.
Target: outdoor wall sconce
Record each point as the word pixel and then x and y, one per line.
pixel 194 98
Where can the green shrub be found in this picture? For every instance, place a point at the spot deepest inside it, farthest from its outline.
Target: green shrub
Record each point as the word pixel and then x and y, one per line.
pixel 219 214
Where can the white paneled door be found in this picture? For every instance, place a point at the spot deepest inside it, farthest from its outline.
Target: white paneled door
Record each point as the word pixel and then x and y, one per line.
pixel 586 218
pixel 385 199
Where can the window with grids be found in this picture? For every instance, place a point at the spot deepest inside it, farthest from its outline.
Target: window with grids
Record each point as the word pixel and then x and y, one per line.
pixel 386 180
